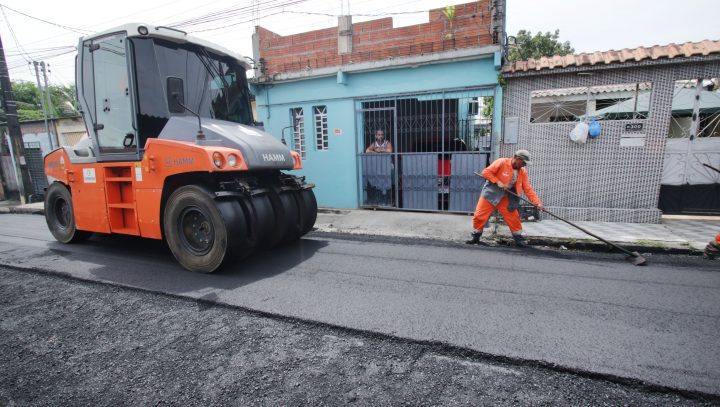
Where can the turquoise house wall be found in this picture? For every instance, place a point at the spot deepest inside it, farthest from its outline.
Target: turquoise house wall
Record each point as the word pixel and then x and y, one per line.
pixel 334 171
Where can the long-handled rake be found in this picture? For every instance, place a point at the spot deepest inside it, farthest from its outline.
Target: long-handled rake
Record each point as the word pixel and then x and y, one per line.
pixel 633 257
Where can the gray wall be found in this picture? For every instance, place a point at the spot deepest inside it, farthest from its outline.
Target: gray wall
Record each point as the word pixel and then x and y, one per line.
pixel 600 180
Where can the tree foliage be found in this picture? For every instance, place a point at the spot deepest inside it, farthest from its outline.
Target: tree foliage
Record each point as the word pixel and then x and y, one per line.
pixel 488 106
pixel 27 99
pixel 528 46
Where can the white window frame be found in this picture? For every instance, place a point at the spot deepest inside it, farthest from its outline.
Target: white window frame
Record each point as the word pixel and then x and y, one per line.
pixel 321 127
pixel 298 131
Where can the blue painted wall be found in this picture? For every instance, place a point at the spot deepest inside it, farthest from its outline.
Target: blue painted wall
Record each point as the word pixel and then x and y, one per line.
pixel 334 171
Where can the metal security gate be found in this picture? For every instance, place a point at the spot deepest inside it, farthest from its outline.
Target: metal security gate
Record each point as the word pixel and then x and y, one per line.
pixel 36 165
pixel 420 151
pixel 690 182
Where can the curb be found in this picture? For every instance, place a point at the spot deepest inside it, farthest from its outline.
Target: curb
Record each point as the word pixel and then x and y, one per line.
pixel 598 246
pixel 560 243
pixel 23 211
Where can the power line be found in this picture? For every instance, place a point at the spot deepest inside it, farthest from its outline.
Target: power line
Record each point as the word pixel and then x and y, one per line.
pixel 234 13
pixel 55 54
pixel 12 33
pixel 397 13
pixel 104 24
pixel 56 76
pixel 236 23
pixel 48 56
pixel 226 14
pixel 39 53
pixel 77 30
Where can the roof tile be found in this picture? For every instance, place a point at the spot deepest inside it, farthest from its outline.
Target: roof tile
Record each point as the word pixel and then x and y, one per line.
pixel 669 51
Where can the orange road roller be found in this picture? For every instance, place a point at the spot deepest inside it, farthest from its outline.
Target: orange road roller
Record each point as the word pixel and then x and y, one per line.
pixel 173 153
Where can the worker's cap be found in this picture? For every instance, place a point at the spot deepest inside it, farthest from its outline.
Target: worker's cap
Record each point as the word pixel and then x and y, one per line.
pixel 523 155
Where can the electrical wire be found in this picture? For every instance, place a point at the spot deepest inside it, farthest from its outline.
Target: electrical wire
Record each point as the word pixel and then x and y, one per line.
pixel 77 30
pixel 12 33
pixel 46 57
pixel 104 24
pixel 254 18
pixel 39 50
pixel 235 13
pixel 397 13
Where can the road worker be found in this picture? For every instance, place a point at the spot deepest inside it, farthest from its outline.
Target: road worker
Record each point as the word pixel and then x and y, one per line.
pixel 502 174
pixel 712 250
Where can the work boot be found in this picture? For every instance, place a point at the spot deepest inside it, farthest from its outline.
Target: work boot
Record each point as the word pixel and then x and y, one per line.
pixel 520 241
pixel 474 238
pixel 712 250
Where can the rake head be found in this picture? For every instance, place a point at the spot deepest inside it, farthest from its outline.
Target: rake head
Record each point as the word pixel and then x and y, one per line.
pixel 636 259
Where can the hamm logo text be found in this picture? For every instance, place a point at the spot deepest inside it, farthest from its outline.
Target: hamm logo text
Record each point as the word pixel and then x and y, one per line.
pixel 273 157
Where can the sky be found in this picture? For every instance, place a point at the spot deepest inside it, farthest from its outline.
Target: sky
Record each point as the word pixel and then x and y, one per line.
pixel 588 25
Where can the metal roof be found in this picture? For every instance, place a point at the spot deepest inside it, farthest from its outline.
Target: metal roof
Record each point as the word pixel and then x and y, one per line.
pixel 669 51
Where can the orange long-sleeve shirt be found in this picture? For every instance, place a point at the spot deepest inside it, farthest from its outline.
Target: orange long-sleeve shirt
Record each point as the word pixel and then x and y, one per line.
pixel 501 169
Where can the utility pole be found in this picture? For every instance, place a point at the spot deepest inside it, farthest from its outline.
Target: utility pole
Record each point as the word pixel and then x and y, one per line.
pixel 2 177
pixel 51 111
pixel 17 147
pixel 42 102
pixel 2 191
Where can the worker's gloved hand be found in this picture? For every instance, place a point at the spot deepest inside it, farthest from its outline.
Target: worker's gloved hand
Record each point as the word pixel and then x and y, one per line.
pixel 501 184
pixel 541 208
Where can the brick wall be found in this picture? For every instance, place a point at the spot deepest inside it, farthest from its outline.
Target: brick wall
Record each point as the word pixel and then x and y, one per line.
pixel 376 40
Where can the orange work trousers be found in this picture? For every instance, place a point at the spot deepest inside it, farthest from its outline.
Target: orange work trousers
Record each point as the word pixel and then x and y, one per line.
pixel 484 209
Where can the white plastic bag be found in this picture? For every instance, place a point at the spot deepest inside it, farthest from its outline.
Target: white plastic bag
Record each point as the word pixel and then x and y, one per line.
pixel 580 133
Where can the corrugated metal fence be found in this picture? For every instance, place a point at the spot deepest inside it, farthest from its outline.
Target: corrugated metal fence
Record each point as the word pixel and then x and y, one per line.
pixel 36 165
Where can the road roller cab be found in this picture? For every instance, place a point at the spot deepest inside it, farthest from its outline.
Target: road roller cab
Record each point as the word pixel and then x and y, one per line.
pixel 172 152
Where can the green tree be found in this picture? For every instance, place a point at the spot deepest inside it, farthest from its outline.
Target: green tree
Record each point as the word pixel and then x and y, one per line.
pixel 25 115
pixel 63 100
pixel 27 98
pixel 528 46
pixel 26 93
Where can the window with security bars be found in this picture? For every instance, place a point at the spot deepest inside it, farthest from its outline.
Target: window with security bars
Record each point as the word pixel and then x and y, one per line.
pixel 707 111
pixel 296 115
pixel 321 127
pixel 628 101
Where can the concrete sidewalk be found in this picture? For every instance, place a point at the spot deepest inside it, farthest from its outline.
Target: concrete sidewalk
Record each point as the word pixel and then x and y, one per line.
pixel 680 234
pixel 37 208
pixel 677 234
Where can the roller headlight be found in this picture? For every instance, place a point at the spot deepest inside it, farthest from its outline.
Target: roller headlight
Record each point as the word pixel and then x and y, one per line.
pixel 218 159
pixel 232 160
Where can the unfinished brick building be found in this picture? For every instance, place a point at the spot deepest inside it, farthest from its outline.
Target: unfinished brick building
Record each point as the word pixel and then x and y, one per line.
pixel 430 87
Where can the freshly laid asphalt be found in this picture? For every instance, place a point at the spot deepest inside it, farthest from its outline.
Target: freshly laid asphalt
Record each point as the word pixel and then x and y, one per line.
pixel 69 342
pixel 585 312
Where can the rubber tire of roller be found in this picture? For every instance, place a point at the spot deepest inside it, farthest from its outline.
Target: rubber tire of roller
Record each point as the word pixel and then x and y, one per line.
pixel 60 215
pixel 293 219
pixel 249 242
pixel 308 210
pixel 225 217
pixel 264 220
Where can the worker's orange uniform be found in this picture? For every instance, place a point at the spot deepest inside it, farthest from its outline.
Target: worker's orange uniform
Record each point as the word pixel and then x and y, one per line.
pixel 492 196
pixel 712 250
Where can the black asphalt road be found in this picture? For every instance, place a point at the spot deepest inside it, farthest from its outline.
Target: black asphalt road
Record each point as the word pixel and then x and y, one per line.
pixel 589 312
pixel 66 342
